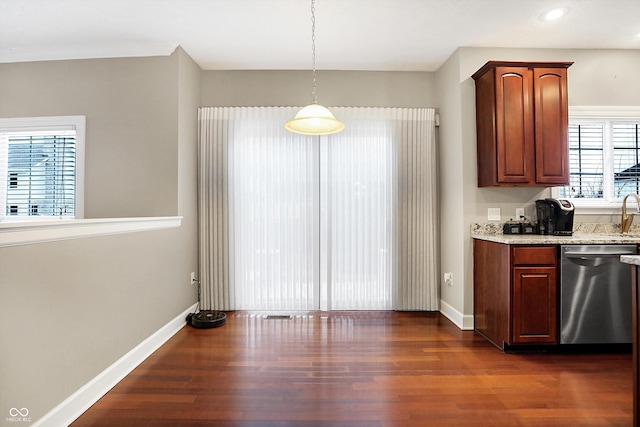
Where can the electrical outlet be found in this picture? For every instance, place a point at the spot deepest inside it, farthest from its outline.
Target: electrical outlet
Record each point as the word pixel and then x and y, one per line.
pixel 493 214
pixel 519 213
pixel 193 277
pixel 448 279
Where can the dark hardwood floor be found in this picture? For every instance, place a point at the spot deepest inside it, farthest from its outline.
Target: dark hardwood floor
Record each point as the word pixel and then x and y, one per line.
pixel 362 369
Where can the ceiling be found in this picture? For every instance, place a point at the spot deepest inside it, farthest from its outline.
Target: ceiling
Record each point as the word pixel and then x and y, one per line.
pixel 395 35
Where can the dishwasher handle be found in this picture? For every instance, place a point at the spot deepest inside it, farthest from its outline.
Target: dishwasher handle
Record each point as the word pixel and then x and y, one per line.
pixel 586 255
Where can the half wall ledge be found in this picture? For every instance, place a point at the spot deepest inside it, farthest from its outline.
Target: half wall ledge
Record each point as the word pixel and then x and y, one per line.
pixel 28 233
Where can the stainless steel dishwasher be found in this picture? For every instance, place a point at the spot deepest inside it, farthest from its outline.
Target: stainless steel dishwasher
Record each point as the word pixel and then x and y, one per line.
pixel 595 294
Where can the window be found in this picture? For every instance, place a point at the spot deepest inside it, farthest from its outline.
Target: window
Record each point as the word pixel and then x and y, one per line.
pixel 41 168
pixel 604 156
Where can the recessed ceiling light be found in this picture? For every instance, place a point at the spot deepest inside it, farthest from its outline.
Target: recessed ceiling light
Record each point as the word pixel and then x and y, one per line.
pixel 554 14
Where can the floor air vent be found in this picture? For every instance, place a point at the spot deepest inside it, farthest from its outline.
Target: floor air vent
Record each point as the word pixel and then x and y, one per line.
pixel 278 316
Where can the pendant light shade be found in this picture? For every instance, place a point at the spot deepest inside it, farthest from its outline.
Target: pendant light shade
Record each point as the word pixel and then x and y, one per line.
pixel 314 119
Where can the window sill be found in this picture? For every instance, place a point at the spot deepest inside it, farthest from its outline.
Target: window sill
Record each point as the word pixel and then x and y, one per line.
pixel 596 206
pixel 27 233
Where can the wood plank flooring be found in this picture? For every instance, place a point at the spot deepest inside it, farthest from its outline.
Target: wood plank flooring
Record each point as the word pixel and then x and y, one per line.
pixel 346 369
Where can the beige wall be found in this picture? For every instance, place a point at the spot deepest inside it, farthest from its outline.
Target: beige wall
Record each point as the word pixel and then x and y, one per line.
pixel 335 88
pixel 131 137
pixel 70 309
pixel 450 159
pixel 189 74
pixel 597 77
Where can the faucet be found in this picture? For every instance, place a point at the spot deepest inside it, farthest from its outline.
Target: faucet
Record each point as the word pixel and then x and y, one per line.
pixel 626 220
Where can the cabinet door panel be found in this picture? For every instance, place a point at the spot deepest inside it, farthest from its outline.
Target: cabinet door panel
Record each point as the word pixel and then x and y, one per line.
pixel 514 125
pixel 534 305
pixel 492 291
pixel 551 128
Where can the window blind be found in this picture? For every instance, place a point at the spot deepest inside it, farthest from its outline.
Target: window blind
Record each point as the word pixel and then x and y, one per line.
pixel 586 166
pixel 40 171
pixel 604 160
pixel 626 158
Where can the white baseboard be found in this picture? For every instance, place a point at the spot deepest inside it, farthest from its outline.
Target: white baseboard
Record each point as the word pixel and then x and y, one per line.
pixel 462 321
pixel 76 404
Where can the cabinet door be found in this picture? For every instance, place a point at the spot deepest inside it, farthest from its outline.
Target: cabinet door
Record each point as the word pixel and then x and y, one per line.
pixel 534 305
pixel 551 127
pixel 635 304
pixel 514 125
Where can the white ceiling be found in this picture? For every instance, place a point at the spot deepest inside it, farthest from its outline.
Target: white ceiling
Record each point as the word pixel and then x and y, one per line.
pixel 402 35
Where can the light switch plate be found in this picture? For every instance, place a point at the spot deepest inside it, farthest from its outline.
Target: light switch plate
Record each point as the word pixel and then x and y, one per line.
pixel 519 213
pixel 493 214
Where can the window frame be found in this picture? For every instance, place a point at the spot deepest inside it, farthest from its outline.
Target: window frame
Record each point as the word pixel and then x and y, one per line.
pixel 38 124
pixel 599 114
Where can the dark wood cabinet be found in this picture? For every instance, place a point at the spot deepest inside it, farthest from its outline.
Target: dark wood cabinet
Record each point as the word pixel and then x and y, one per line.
pixel 522 123
pixel 534 305
pixel 635 304
pixel 515 293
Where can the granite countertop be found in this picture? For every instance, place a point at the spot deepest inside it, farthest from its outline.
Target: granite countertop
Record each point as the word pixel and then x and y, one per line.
pixel 584 234
pixel 630 259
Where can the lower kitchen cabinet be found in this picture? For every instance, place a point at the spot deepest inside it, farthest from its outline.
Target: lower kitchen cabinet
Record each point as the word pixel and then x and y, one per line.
pixel 534 305
pixel 515 293
pixel 635 303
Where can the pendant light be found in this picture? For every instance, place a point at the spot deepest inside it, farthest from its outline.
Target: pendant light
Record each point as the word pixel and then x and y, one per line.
pixel 314 119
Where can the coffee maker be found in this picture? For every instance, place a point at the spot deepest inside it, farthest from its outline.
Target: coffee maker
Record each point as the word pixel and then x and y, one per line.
pixel 555 216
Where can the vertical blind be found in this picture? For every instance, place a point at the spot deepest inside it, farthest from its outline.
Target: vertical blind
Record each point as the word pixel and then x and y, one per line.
pixel 290 222
pixel 213 220
pixel 40 172
pixel 273 207
pixel 358 199
pixel 418 263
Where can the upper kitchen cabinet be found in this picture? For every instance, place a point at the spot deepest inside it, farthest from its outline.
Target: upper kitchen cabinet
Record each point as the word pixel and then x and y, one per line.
pixel 521 123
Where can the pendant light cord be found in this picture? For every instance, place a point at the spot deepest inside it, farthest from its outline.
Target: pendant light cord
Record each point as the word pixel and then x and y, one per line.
pixel 314 94
pixel 314 119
